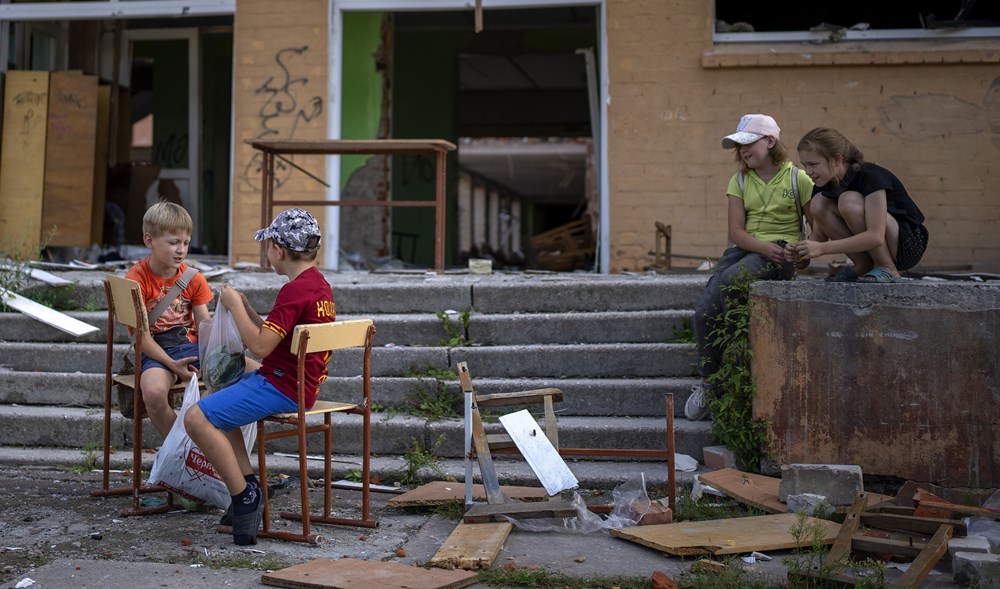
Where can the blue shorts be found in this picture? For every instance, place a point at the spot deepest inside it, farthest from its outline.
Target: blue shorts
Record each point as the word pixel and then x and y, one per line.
pixel 248 400
pixel 188 350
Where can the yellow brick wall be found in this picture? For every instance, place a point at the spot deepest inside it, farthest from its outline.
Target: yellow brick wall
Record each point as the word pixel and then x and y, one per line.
pixel 281 81
pixel 935 126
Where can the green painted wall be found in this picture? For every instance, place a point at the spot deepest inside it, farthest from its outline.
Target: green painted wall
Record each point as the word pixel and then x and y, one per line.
pixel 362 85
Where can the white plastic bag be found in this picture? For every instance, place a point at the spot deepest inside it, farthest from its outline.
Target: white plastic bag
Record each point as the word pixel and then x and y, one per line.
pixel 221 350
pixel 181 468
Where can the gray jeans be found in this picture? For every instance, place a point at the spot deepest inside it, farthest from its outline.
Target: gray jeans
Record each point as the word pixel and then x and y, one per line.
pixel 712 306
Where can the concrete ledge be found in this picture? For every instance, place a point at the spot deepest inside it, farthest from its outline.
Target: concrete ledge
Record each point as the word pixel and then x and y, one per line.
pixel 902 379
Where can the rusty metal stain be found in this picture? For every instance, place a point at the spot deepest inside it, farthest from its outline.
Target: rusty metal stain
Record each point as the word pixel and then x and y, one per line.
pixel 898 390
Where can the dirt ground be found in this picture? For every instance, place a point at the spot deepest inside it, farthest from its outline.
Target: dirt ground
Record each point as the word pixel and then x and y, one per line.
pixel 48 514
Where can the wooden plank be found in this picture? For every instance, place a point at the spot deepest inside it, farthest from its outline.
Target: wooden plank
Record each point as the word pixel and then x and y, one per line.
pixel 472 546
pixel 539 452
pixel 351 573
pixel 69 159
pixel 727 536
pixel 22 167
pixel 912 524
pixel 102 129
pixel 532 397
pixel 905 548
pixel 759 490
pixel 48 316
pixel 483 513
pixel 926 499
pixel 842 545
pixel 925 561
pixel 438 492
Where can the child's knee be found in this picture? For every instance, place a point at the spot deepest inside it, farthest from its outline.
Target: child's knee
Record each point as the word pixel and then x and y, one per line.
pixel 194 418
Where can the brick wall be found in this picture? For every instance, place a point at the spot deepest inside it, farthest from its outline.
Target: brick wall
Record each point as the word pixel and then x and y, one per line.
pixel 671 105
pixel 280 71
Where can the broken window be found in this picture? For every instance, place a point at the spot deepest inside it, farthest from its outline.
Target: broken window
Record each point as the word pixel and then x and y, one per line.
pixel 855 19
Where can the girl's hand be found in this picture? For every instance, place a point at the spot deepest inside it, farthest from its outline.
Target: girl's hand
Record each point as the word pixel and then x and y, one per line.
pixel 808 249
pixel 775 253
pixel 789 253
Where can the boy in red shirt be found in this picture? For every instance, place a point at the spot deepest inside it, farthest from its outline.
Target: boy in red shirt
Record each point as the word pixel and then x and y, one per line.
pixel 291 242
pixel 170 348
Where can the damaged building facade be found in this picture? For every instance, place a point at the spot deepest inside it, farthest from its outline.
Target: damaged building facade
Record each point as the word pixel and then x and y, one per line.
pixel 578 125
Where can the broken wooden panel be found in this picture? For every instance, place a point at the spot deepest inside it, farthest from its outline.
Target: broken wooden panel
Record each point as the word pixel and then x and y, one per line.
pixel 22 167
pixel 729 536
pixel 438 492
pixel 472 546
pixel 898 378
pixel 70 154
pixel 759 490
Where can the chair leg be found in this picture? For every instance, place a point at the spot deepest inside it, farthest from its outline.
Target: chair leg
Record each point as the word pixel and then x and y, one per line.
pixel 266 531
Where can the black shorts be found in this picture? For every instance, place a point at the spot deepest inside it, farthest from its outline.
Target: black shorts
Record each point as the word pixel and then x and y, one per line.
pixel 911 247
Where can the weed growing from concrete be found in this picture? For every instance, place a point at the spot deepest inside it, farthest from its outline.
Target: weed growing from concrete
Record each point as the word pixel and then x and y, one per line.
pixel 456 329
pixel 684 332
pixel 733 576
pixel 732 404
pixel 437 403
pixel 419 457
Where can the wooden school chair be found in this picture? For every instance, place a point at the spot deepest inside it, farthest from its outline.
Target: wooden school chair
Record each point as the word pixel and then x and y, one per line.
pixel 483 446
pixel 125 306
pixel 312 339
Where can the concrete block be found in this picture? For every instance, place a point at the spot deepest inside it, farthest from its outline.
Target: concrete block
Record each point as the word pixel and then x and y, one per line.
pixel 839 483
pixel 976 568
pixel 973 543
pixel 719 457
pixel 808 503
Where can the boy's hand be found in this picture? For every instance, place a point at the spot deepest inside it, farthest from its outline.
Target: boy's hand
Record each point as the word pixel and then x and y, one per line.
pixel 183 369
pixel 230 298
pixel 808 249
pixel 775 253
pixel 792 256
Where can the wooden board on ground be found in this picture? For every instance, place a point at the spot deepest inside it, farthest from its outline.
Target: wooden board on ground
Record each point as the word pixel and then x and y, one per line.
pixel 438 492
pixel 727 536
pixel 483 513
pixel 22 167
pixel 472 546
pixel 70 151
pixel 759 490
pixel 351 573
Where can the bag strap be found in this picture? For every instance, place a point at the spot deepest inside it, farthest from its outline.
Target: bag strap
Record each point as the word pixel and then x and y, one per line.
pixel 798 201
pixel 175 290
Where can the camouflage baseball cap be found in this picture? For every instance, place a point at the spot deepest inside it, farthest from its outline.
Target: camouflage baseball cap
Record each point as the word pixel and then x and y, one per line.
pixel 293 229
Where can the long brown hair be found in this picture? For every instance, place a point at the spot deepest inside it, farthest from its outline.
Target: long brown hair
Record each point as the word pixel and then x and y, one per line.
pixel 829 144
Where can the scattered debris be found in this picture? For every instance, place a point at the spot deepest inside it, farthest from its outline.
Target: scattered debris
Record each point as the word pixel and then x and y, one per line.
pixel 350 572
pixel 46 315
pixel 439 492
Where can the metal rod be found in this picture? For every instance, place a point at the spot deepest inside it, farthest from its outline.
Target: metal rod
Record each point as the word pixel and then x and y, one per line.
pixel 671 465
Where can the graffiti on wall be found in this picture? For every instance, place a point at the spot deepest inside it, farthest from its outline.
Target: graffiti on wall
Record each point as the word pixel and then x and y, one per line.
pixel 286 106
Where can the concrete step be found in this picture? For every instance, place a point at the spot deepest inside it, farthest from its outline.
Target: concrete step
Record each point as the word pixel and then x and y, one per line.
pixel 643 397
pixel 368 293
pixel 425 329
pixel 591 474
pixel 75 427
pixel 552 361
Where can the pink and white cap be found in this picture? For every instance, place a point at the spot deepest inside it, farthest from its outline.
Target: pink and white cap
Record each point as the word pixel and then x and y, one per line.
pixel 750 129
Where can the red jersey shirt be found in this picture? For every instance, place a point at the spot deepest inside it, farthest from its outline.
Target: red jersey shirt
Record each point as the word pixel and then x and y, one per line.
pixel 307 299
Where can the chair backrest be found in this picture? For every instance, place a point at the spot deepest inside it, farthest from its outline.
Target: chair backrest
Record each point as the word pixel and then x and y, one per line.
pixel 333 336
pixel 126 301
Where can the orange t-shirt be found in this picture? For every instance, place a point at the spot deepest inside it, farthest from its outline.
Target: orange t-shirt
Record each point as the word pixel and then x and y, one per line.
pixel 181 312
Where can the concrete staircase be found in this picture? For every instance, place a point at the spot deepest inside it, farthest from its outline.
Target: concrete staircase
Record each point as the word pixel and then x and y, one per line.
pixel 607 341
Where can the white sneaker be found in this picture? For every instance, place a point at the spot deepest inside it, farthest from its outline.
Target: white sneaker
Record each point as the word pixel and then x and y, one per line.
pixel 696 408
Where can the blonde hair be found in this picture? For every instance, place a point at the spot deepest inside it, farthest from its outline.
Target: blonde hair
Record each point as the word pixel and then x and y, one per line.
pixel 166 217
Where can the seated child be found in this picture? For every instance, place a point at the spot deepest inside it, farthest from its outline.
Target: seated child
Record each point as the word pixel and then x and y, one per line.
pixel 170 349
pixel 291 242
